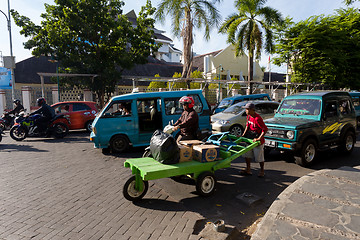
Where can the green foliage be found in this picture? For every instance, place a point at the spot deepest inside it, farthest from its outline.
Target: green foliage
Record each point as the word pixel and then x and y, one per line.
pixel 248 29
pixel 178 84
pixel 91 37
pixel 187 15
pixel 324 49
pixel 196 74
pixel 155 85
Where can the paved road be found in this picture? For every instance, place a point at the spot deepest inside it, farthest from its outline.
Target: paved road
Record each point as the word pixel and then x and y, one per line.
pixel 66 189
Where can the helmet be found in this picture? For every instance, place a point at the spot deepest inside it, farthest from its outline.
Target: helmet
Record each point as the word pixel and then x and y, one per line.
pixel 40 101
pixel 187 100
pixel 17 101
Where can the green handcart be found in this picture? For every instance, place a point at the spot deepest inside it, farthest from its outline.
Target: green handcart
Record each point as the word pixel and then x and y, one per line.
pixel 147 168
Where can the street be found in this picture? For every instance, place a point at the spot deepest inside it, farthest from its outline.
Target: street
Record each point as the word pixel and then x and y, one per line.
pixel 66 189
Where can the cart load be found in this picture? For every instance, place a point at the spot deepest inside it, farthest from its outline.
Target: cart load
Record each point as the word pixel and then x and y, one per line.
pixel 229 148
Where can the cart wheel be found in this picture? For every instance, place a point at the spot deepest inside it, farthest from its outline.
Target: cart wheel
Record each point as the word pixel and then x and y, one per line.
pixel 206 184
pixel 130 193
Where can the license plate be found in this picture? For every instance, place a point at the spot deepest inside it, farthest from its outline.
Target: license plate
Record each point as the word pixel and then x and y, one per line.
pixel 269 143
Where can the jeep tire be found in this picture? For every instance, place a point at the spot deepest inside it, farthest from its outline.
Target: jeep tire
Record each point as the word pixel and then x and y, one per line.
pixel 307 154
pixel 347 143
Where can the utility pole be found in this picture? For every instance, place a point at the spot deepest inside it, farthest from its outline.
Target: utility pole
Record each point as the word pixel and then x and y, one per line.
pixel 12 61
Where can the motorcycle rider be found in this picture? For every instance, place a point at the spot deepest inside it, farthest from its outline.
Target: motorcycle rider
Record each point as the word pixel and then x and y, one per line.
pixel 188 122
pixel 46 112
pixel 18 107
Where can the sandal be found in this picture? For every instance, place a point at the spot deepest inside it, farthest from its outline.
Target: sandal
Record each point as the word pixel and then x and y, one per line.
pixel 245 173
pixel 261 175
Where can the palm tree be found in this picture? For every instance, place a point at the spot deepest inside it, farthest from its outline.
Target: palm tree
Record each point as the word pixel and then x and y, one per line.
pixel 245 30
pixel 187 15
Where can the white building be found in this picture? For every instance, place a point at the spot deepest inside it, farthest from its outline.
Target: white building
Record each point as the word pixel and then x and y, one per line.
pixel 167 51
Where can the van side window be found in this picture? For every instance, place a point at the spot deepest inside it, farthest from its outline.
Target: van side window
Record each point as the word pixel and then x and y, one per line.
pixel 198 104
pixel 172 106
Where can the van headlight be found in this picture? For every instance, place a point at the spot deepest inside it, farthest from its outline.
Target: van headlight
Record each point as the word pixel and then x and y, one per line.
pixel 94 129
pixel 290 134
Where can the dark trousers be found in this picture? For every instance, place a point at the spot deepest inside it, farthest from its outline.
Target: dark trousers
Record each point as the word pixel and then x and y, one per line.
pixel 42 123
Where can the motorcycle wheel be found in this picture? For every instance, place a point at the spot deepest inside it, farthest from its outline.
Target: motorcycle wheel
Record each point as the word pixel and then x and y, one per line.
pixel 60 130
pixel 18 133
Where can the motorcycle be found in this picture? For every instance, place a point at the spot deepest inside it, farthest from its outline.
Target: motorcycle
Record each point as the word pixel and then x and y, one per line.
pixel 1 133
pixel 6 120
pixel 24 127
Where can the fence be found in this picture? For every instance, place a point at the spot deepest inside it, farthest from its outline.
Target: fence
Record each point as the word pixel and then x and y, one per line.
pixel 212 95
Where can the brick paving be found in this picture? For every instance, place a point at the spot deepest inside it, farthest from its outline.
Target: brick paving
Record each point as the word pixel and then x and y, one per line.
pixel 65 189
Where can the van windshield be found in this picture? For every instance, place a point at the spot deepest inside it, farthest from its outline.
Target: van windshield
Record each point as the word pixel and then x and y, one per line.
pixel 225 103
pixel 300 107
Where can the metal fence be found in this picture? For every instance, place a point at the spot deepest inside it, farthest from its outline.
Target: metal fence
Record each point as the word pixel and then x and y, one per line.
pixel 9 98
pixel 37 93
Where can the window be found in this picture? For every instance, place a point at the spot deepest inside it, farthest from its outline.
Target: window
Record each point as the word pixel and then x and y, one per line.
pixel 119 108
pixel 330 109
pixel 172 106
pixel 80 107
pixel 345 107
pixel 356 101
pixel 146 105
pixel 63 108
pixel 198 104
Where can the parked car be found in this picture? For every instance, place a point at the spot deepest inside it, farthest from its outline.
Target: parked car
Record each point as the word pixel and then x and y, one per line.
pixel 233 119
pixel 310 122
pixel 80 114
pixel 227 102
pixel 356 101
pixel 131 119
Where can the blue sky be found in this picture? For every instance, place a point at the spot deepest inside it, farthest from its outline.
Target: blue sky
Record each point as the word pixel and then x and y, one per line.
pixel 297 9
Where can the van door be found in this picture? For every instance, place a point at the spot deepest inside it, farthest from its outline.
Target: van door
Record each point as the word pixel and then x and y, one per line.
pixel 119 118
pixel 149 118
pixel 330 122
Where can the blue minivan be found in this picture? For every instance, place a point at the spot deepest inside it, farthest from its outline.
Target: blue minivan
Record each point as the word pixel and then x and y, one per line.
pixel 131 119
pixel 356 100
pixel 227 102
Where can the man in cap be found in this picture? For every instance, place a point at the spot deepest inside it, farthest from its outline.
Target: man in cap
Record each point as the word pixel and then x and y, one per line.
pixel 255 129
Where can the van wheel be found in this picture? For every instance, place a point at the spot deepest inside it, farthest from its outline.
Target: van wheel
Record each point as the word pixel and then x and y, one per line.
pixel 236 130
pixel 307 154
pixel 119 144
pixel 347 143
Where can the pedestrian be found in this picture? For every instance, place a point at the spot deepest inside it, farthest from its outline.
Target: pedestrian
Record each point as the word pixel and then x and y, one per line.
pixel 188 122
pixel 255 129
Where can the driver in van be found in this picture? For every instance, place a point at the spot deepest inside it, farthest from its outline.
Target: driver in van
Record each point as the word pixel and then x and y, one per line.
pixel 188 123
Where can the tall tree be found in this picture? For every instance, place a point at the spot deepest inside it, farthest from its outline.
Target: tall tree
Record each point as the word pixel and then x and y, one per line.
pixel 186 16
pixel 91 36
pixel 245 30
pixel 324 49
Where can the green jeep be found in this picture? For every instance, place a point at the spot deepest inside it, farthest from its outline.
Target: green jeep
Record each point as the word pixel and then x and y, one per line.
pixel 309 122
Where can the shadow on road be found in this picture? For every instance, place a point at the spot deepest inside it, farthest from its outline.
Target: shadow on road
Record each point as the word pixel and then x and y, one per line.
pixel 19 147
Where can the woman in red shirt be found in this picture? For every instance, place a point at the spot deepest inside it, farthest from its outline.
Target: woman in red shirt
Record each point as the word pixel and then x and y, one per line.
pixel 255 129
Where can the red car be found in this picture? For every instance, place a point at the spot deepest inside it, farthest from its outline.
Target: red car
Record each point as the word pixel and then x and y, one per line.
pixel 80 114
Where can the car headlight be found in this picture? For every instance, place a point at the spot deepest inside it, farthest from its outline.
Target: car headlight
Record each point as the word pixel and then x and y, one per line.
pixel 223 122
pixel 290 134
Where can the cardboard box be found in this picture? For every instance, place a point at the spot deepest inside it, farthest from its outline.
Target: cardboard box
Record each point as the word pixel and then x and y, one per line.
pixel 191 142
pixel 205 153
pixel 185 153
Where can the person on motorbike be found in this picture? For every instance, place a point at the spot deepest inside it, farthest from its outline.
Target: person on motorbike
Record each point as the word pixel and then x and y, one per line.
pixel 188 122
pixel 46 112
pixel 18 107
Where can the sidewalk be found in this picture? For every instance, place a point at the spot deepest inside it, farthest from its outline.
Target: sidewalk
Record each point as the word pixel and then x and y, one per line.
pixel 321 205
